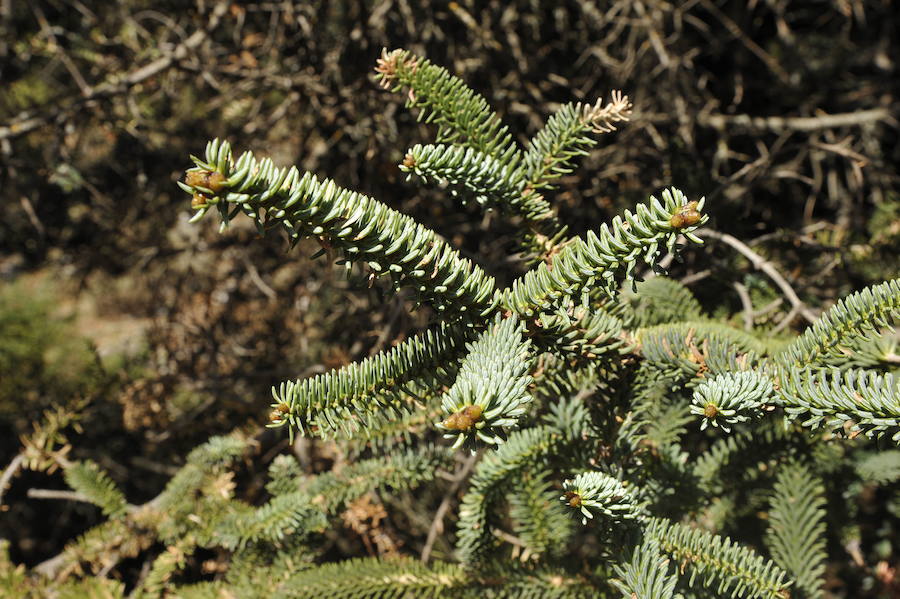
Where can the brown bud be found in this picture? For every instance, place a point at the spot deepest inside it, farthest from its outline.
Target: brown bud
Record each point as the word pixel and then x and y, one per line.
pixel 211 180
pixel 691 217
pixel 573 499
pixel 215 182
pixel 278 414
pixel 195 178
pixel 199 201
pixel 686 216
pixel 710 411
pixel 409 161
pixel 464 419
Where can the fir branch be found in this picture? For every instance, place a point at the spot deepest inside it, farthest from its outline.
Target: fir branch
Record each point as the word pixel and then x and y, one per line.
pixel 857 316
pixel 368 578
pixel 282 516
pixel 687 350
pixel 101 546
pixel 524 448
pixel 796 535
pixel 472 173
pixel 592 493
pixel 490 392
pixel 882 467
pixel 538 518
pixel 597 260
pixel 462 116
pixel 579 332
pixel 556 376
pixel 284 472
pixel 658 408
pixel 570 417
pixel 364 578
pixel 666 484
pixel 194 500
pixel 493 184
pixel 302 512
pixel 403 428
pixel 95 586
pixel 566 135
pixel 13 579
pixel 651 432
pixel 719 563
pixel 731 398
pixel 204 461
pixel 167 563
pixel 865 400
pixel 880 352
pixel 647 575
pixel 209 590
pixel 741 451
pixel 400 470
pixel 526 582
pixel 257 571
pixel 367 392
pixel 390 243
pixel 96 487
pixel 658 300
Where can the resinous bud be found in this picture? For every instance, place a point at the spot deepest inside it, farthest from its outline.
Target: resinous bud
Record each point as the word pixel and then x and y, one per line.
pixel 464 419
pixel 686 217
pixel 211 180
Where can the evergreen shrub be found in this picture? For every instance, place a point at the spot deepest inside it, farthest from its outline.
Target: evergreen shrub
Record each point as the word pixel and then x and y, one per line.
pixel 585 431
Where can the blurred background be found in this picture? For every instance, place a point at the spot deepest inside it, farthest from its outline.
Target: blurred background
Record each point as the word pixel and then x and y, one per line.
pixel 129 336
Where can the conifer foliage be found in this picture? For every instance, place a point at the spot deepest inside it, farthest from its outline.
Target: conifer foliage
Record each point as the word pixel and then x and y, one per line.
pixel 601 417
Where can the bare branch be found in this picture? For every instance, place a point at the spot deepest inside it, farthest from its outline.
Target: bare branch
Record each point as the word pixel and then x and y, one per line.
pixel 762 264
pixel 810 123
pixel 14 466
pixel 746 303
pixel 437 524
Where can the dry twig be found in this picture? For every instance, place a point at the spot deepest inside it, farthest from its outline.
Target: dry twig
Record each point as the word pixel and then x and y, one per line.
pixel 437 524
pixel 760 263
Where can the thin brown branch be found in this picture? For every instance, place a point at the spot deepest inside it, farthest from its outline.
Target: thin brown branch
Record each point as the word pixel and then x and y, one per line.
pixel 746 303
pixel 14 466
pixel 788 319
pixel 58 494
pixel 768 307
pixel 437 524
pixel 765 266
pixel 696 276
pixel 779 124
pixel 258 280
